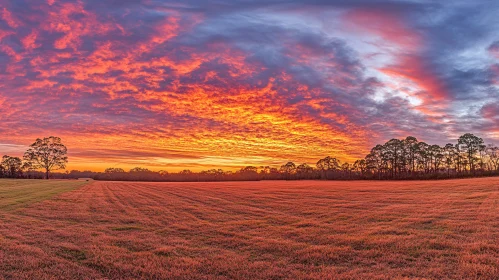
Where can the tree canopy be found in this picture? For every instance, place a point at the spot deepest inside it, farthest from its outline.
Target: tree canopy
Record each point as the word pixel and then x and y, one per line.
pixel 47 154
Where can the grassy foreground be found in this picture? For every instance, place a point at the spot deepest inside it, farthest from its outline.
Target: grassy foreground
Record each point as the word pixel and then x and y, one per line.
pixel 255 230
pixel 16 194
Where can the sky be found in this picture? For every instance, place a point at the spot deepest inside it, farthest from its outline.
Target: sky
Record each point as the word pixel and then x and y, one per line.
pixel 198 84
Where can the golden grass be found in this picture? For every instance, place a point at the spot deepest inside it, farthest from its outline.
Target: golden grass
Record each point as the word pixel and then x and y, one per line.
pixel 262 230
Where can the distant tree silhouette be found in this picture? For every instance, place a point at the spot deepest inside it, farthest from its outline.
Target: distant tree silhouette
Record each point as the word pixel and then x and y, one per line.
pixel 471 145
pixel 249 169
pixel 213 172
pixel 304 168
pixel 360 166
pixel 114 170
pixel 47 154
pixel 288 168
pixel 492 152
pixel 375 162
pixel 391 154
pixel 328 163
pixel 139 169
pixel 411 148
pixel 345 167
pixel 248 173
pixel 11 166
pixel 449 156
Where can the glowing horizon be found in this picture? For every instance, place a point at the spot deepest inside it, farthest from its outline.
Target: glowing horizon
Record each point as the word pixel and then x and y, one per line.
pixel 172 85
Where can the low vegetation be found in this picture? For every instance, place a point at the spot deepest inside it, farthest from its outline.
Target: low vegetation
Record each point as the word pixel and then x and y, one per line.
pixel 256 230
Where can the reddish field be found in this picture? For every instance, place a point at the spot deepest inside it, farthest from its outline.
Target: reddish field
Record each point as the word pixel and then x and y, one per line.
pixel 268 230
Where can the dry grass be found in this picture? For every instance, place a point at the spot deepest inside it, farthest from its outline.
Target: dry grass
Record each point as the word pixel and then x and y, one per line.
pixel 266 230
pixel 15 194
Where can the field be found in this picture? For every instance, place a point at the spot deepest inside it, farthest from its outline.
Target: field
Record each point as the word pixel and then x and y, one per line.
pixel 18 193
pixel 247 230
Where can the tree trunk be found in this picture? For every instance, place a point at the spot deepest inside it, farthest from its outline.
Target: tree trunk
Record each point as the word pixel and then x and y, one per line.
pixel 47 174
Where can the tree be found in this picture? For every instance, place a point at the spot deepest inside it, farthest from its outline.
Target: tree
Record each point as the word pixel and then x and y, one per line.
pixel 493 154
pixel 423 156
pixel 304 168
pixel 411 146
pixel 449 156
pixel 482 150
pixel 264 169
pixel 471 144
pixel 345 167
pixel 374 160
pixel 12 166
pixel 114 170
pixel 436 156
pixel 249 173
pixel 288 168
pixel 249 170
pixel 139 170
pixel 360 165
pixel 47 154
pixel 392 154
pixel 212 174
pixel 328 163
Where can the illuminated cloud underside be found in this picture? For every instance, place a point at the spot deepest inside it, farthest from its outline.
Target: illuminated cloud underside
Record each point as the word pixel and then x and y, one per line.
pixel 198 84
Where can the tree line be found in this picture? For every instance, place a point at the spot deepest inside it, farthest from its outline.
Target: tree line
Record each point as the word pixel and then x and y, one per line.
pixel 396 159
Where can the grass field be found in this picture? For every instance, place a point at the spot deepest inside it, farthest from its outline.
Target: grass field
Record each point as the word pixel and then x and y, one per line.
pixel 247 230
pixel 19 193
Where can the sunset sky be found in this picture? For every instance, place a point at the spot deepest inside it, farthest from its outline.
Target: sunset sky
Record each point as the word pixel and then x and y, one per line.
pixel 196 84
